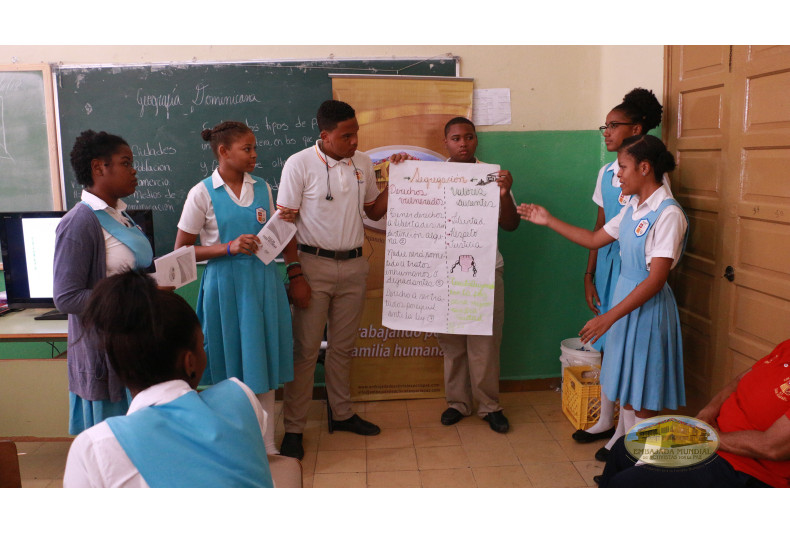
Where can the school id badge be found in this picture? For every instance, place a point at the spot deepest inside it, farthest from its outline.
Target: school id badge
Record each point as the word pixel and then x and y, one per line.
pixel 260 214
pixel 641 228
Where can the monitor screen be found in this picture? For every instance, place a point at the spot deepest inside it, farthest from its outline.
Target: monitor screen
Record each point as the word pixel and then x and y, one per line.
pixel 28 244
pixel 27 240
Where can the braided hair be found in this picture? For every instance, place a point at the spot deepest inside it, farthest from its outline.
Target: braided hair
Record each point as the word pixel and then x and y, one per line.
pixel 224 134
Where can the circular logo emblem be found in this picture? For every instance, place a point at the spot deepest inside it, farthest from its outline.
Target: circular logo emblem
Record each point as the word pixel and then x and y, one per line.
pixel 671 441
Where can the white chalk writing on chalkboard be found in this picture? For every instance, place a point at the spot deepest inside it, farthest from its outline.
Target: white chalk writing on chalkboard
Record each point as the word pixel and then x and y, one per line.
pixel 3 144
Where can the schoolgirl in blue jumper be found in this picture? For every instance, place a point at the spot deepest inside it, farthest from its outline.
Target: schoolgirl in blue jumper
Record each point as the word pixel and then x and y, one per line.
pixel 643 362
pixel 242 302
pixel 95 239
pixel 638 113
pixel 172 436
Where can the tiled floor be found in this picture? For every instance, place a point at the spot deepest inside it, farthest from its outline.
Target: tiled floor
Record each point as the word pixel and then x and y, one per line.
pixel 414 449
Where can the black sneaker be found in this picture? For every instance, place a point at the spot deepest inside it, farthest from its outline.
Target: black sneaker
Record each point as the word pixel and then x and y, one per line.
pixel 292 446
pixel 355 425
pixel 451 416
pixel 497 421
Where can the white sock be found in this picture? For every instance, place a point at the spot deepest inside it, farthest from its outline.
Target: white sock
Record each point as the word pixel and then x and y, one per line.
pixel 606 420
pixel 266 400
pixel 618 432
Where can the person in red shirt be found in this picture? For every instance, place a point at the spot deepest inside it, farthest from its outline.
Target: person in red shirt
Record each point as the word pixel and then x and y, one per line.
pixel 752 417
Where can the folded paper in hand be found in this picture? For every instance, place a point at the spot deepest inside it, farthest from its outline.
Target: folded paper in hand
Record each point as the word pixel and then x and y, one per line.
pixel 274 236
pixel 177 268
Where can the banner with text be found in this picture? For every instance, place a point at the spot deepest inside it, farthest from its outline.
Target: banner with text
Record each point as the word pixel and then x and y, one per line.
pixel 397 114
pixel 441 247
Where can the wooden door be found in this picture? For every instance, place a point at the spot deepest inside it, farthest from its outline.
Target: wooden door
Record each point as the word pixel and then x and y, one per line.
pixel 728 118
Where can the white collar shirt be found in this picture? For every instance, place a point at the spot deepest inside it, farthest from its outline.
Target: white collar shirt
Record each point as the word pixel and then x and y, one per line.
pixel 309 177
pixel 96 458
pixel 198 217
pixel 118 256
pixel 666 235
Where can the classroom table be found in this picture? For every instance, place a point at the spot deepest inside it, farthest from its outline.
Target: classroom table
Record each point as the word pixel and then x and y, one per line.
pixel 21 325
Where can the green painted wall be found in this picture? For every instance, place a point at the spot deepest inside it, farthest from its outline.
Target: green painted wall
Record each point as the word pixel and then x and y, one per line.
pixel 543 272
pixel 544 291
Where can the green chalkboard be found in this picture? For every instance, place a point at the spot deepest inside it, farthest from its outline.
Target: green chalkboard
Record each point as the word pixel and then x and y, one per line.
pixel 25 172
pixel 161 109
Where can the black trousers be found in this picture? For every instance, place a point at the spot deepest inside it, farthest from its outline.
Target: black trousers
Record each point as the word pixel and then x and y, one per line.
pixel 714 472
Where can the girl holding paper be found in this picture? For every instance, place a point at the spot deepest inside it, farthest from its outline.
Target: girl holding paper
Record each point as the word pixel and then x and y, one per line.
pixel 95 239
pixel 242 304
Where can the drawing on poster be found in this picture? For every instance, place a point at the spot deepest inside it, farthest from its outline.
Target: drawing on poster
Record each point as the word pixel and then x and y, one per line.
pixel 440 255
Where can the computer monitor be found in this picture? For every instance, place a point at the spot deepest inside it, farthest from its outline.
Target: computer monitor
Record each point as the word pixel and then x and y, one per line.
pixel 27 240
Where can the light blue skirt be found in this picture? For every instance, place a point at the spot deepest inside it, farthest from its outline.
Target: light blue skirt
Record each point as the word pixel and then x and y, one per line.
pixel 86 413
pixel 643 361
pixel 246 320
pixel 607 271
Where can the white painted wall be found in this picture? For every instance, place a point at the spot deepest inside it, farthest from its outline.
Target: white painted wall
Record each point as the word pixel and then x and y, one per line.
pixel 552 87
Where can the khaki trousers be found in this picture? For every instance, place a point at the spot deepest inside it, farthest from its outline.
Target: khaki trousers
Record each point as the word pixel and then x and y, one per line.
pixel 336 302
pixel 471 363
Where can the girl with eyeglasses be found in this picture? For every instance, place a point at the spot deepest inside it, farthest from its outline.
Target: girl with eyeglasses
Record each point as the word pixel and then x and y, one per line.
pixel 643 361
pixel 638 113
pixel 242 302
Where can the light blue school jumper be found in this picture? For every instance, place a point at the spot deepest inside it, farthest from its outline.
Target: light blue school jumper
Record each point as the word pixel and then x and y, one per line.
pixel 643 362
pixel 607 265
pixel 242 303
pixel 207 440
pixel 85 413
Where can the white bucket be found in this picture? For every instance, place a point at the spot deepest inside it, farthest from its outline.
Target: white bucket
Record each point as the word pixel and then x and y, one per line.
pixel 574 353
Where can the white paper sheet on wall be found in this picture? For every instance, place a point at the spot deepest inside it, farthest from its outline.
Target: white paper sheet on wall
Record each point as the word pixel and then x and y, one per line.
pixel 491 107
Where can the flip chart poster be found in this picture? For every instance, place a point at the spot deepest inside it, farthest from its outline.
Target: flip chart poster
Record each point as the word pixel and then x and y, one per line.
pixel 440 256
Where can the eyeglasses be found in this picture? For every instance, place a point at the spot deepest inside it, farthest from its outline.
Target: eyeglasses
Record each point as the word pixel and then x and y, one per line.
pixel 612 125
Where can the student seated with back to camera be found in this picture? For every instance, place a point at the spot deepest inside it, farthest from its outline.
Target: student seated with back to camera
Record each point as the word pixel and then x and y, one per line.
pixel 172 436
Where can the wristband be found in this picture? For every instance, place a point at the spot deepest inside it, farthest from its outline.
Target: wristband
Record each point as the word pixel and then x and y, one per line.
pixel 295 276
pixel 228 250
pixel 590 273
pixel 289 266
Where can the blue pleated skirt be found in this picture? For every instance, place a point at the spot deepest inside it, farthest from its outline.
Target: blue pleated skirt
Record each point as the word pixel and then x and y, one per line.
pixel 246 320
pixel 607 271
pixel 84 414
pixel 643 361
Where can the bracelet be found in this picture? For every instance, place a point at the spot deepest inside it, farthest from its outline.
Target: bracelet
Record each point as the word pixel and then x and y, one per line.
pixel 289 266
pixel 228 250
pixel 590 273
pixel 295 276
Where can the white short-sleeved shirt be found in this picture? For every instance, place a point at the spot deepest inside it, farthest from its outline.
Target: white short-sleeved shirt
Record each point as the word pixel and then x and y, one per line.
pixel 96 458
pixel 597 196
pixel 119 257
pixel 666 235
pixel 329 224
pixel 198 218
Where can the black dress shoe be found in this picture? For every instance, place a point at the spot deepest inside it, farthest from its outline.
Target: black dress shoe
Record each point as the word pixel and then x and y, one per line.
pixel 356 425
pixel 598 479
pixel 292 446
pixel 451 416
pixel 497 421
pixel 583 436
pixel 601 455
